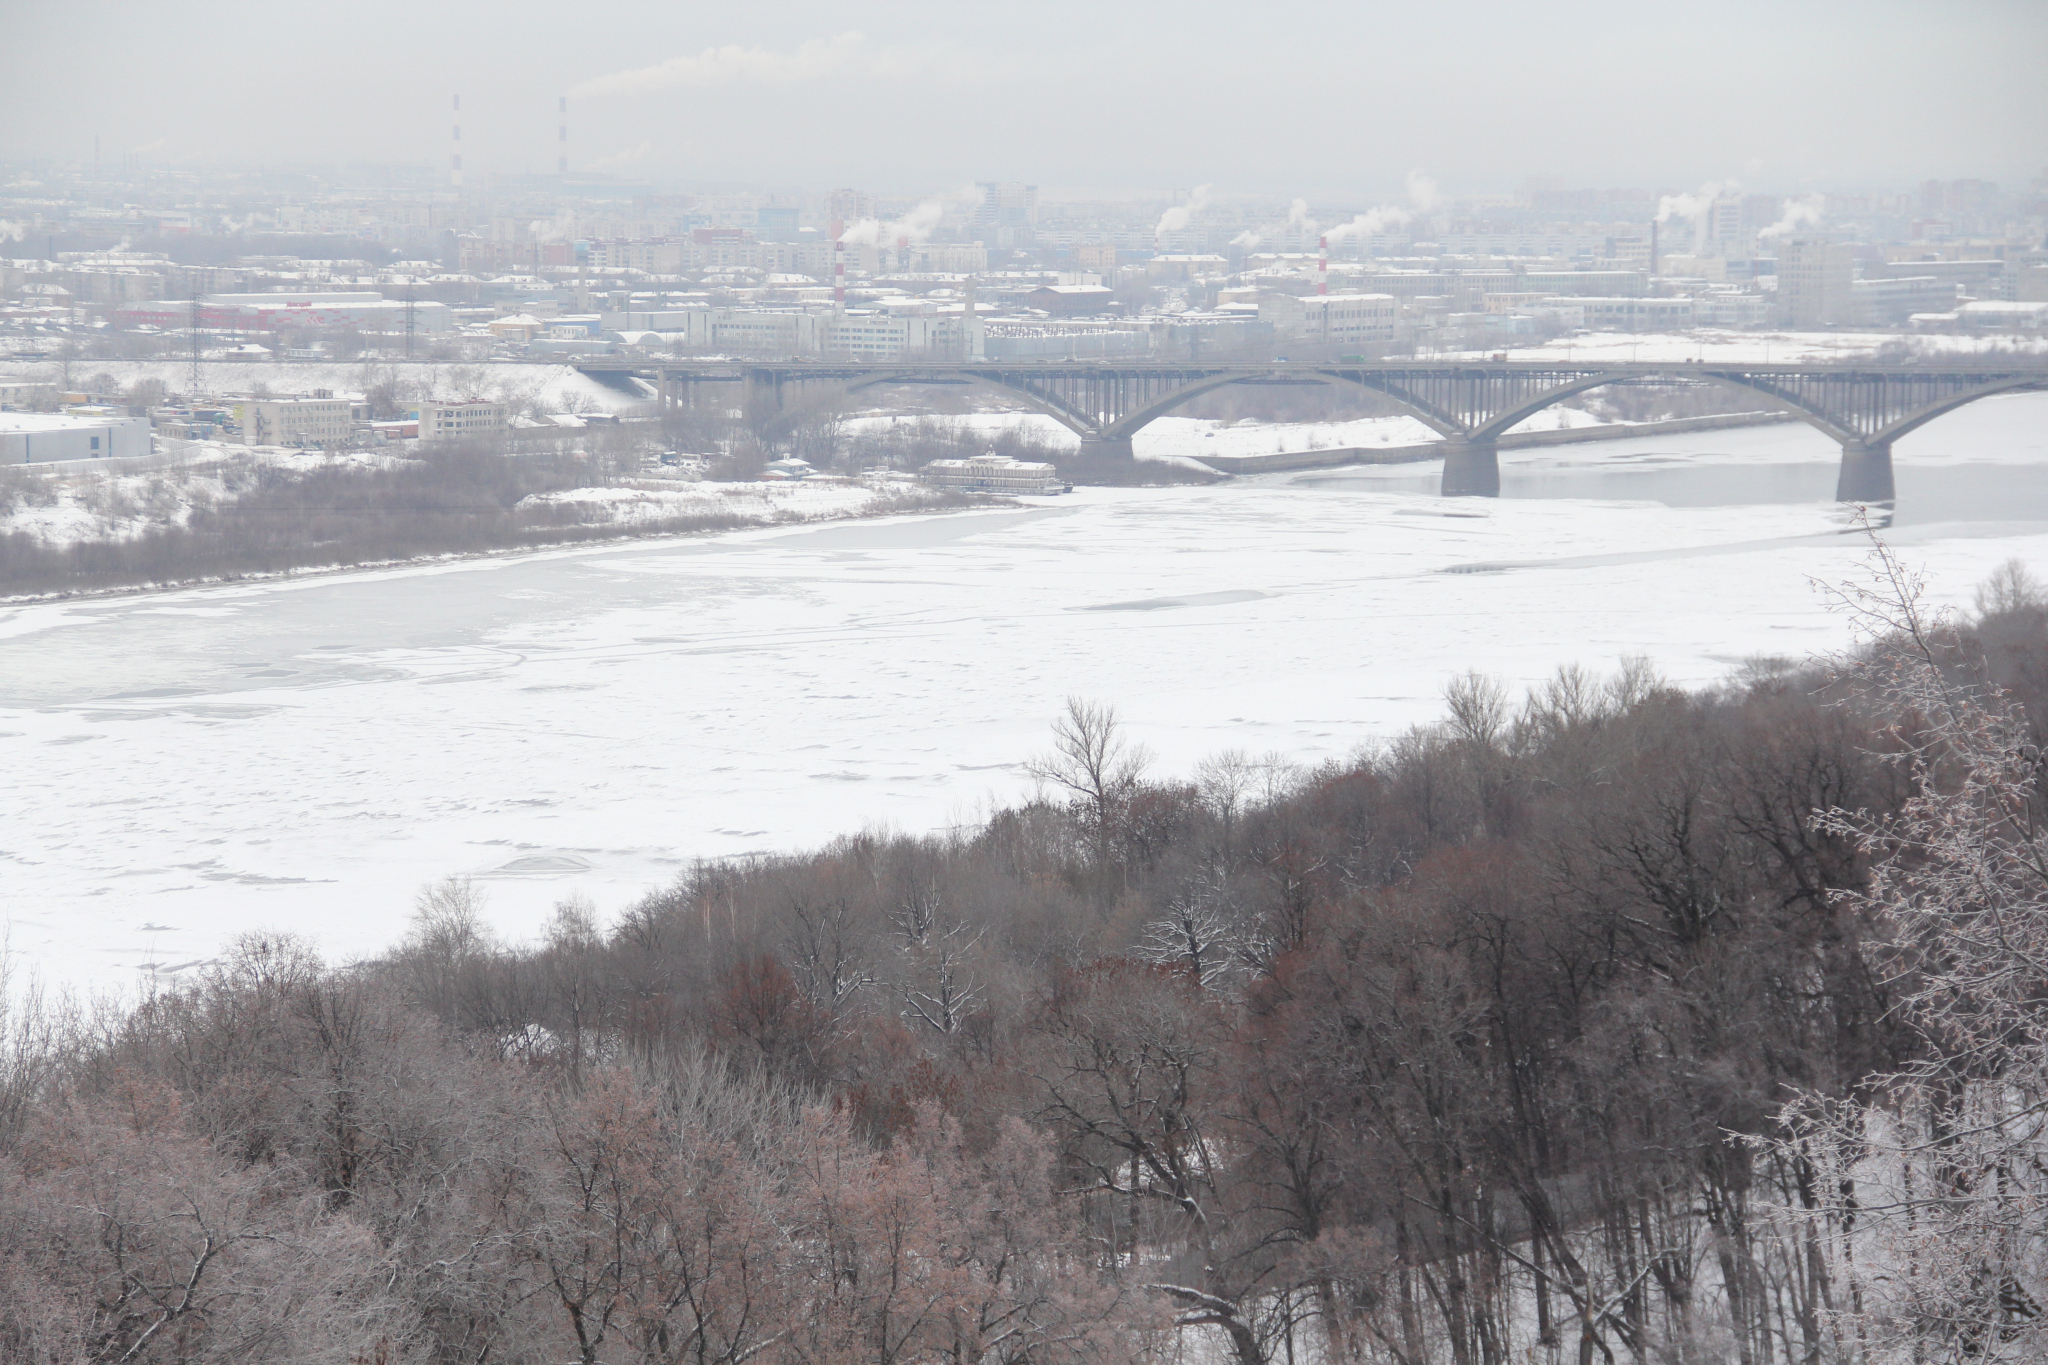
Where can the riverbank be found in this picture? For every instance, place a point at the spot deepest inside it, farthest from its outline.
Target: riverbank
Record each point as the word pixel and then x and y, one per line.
pixel 249 516
pixel 306 753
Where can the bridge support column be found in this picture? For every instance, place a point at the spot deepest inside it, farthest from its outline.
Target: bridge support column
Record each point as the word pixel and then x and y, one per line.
pixel 1866 472
pixel 1471 468
pixel 1107 448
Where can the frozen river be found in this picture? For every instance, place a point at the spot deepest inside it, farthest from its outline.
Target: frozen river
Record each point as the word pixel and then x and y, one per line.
pixel 307 754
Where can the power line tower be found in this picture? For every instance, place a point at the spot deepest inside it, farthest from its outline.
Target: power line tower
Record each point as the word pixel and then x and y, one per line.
pixel 196 352
pixel 408 319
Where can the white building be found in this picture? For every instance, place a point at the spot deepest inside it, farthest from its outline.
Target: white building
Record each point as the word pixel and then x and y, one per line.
pixel 994 473
pixel 2004 315
pixel 1637 315
pixel 1888 302
pixel 1366 320
pixel 1814 279
pixel 889 336
pixel 38 437
pixel 1731 310
pixel 460 421
pixel 324 422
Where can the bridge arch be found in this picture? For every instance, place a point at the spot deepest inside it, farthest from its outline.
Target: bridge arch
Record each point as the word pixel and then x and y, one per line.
pixel 1819 417
pixel 1943 406
pixel 1038 402
pixel 1131 423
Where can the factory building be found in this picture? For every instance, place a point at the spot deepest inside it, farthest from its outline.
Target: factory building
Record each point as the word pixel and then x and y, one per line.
pixel 886 336
pixel 365 308
pixel 1363 320
pixel 1890 302
pixel 40 437
pixel 1637 315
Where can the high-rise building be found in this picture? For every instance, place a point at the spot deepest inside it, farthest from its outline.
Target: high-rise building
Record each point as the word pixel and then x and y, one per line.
pixel 1814 279
pixel 1721 227
pixel 1007 203
pixel 848 206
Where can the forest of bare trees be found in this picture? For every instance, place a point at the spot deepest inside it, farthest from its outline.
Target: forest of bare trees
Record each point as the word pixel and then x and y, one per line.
pixel 1612 1023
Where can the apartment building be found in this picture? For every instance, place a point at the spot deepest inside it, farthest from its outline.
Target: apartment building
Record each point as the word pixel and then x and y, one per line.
pixel 1814 279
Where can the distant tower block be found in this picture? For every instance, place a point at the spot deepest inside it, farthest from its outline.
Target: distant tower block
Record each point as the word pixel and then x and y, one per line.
pixel 455 156
pixel 562 151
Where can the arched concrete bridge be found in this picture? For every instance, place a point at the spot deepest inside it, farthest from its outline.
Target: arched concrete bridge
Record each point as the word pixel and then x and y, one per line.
pixel 1471 403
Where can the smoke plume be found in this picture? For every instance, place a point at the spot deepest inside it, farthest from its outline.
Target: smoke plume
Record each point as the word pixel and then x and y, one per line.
pixel 1798 213
pixel 1370 223
pixel 1422 192
pixel 1176 218
pixel 916 226
pixel 1693 205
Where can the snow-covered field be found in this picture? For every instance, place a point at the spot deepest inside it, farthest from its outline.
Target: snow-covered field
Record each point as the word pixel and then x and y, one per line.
pixel 308 753
pixel 655 500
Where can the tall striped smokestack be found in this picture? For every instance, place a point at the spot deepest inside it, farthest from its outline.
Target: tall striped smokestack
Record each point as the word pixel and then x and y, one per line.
pixel 455 141
pixel 562 156
pixel 838 266
pixel 1323 265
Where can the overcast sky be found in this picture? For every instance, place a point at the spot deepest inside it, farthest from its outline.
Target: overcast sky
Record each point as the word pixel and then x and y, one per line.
pixel 905 97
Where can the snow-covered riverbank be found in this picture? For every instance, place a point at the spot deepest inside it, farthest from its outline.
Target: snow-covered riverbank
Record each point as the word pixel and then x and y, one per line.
pixel 307 753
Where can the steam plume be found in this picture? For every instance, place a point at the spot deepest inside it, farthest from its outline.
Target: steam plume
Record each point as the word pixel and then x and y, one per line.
pixel 1370 223
pixel 1798 213
pixel 1693 205
pixel 1176 218
pixel 1422 192
pixel 915 226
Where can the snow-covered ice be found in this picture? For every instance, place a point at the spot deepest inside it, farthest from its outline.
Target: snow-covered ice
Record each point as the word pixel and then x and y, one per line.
pixel 307 753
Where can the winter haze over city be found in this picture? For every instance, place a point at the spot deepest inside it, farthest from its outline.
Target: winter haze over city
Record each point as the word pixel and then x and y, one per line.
pixel 928 684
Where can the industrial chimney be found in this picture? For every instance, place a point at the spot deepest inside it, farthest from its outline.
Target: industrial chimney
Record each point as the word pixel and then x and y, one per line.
pixel 1323 265
pixel 455 157
pixel 838 265
pixel 562 157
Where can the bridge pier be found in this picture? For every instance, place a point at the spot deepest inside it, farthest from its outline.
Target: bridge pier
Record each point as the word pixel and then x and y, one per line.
pixel 1107 448
pixel 1866 472
pixel 1471 468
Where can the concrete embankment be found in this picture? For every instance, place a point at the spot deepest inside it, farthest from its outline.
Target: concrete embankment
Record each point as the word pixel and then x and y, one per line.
pixel 1515 440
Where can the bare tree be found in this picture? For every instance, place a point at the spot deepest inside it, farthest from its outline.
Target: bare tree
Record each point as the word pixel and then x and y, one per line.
pixel 1093 761
pixel 1932 1193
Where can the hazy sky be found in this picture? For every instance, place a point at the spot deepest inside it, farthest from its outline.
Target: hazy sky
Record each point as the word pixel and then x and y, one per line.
pixel 903 97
